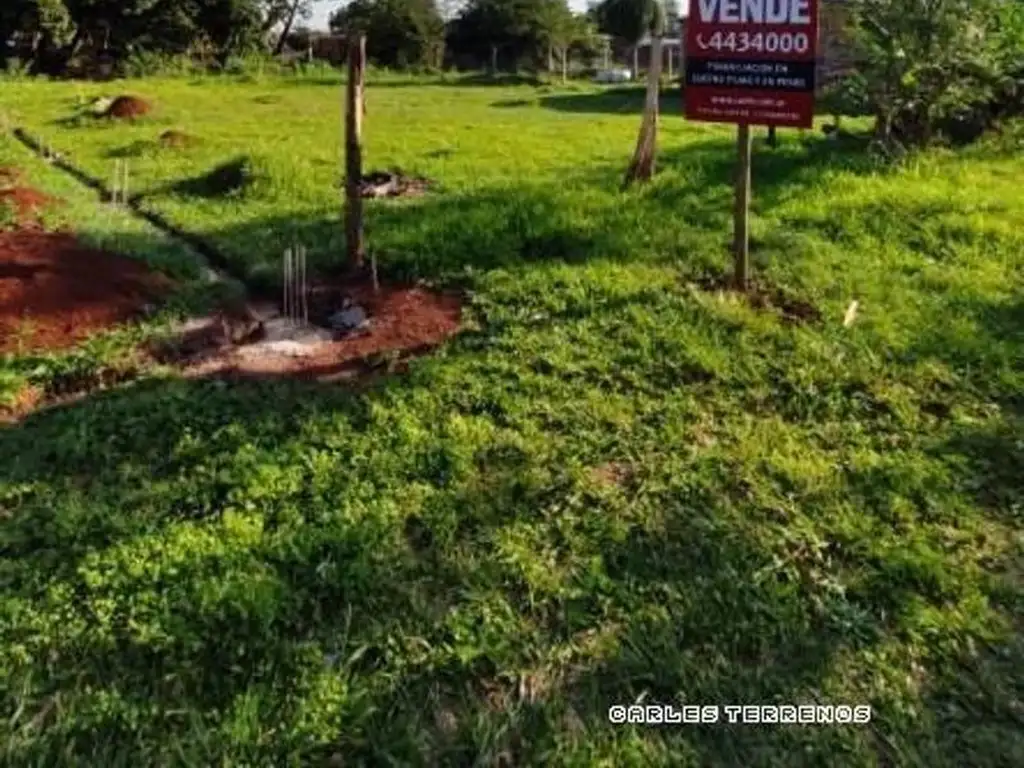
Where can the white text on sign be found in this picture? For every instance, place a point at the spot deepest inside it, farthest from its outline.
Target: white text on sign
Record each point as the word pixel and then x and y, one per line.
pixel 755 11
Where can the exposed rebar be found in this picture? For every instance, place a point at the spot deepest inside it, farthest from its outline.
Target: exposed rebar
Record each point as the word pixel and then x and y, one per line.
pixel 295 287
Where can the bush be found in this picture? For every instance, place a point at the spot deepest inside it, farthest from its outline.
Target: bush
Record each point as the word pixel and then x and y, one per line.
pixel 936 68
pixel 155 64
pixel 15 69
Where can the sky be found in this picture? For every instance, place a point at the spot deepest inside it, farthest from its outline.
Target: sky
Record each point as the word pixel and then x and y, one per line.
pixel 322 10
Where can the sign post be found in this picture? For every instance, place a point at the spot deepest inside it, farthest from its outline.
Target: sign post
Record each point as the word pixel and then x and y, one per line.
pixel 751 62
pixel 741 275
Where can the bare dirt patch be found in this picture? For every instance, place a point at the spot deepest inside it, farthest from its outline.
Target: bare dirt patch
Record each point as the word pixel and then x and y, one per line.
pixel 395 323
pixel 762 296
pixel 27 203
pixel 54 291
pixel 26 401
pixel 128 108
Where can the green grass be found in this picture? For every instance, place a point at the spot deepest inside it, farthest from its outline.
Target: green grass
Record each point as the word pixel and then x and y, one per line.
pixel 102 227
pixel 429 570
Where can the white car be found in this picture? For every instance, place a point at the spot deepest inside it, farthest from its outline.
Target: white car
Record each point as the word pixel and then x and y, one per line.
pixel 613 76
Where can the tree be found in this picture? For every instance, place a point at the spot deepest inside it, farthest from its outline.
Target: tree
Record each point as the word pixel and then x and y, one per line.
pixel 558 29
pixel 627 21
pixel 588 43
pixel 47 23
pixel 297 9
pixel 924 62
pixel 399 33
pixel 486 27
pixel 642 166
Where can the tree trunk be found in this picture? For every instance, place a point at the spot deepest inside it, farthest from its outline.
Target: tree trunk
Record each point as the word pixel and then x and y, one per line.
pixel 642 166
pixel 293 11
pixel 51 61
pixel 565 66
pixel 551 59
pixel 354 112
pixel 636 60
pixel 5 49
pixel 494 59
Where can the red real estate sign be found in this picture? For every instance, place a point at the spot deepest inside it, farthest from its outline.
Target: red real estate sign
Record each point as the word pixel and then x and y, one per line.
pixel 752 61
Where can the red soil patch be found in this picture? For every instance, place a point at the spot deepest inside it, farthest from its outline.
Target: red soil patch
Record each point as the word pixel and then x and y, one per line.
pixel 24 403
pixel 26 202
pixel 404 321
pixel 54 292
pixel 128 108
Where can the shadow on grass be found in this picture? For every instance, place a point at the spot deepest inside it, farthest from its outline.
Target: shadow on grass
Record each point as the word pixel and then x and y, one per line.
pixel 469 80
pixel 514 226
pixel 623 100
pixel 226 179
pixel 628 99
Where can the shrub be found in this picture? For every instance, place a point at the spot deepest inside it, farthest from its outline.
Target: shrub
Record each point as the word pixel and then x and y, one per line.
pixel 937 68
pixel 155 64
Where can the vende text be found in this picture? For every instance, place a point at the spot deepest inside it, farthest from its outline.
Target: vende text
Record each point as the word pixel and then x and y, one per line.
pixel 755 11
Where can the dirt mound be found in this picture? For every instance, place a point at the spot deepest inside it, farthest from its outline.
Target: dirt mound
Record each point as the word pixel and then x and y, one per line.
pixel 401 321
pixel 128 108
pixel 177 140
pixel 27 203
pixel 54 291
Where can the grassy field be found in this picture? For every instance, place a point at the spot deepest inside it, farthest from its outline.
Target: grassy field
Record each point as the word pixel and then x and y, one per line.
pixel 613 487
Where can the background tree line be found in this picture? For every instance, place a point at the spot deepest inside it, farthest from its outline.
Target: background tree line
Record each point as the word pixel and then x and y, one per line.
pixel 49 34
pixel 496 34
pixel 925 68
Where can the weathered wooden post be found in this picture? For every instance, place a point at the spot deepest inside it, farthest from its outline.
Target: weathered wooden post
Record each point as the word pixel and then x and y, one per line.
pixel 742 213
pixel 356 248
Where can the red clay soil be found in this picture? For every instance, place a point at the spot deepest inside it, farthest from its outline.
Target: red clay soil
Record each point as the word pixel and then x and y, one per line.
pixel 128 107
pixel 27 203
pixel 26 401
pixel 405 320
pixel 54 291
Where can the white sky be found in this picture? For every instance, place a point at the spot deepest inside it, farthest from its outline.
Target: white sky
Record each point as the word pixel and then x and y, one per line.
pixel 323 9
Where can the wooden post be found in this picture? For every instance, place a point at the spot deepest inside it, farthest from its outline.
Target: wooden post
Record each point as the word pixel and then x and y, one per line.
pixel 742 225
pixel 356 249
